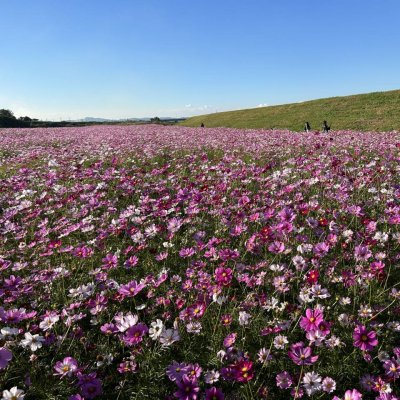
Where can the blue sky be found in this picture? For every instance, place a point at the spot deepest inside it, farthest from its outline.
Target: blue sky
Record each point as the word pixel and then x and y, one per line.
pixel 118 59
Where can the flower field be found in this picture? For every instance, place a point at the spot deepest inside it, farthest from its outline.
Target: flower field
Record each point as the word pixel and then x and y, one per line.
pixel 150 262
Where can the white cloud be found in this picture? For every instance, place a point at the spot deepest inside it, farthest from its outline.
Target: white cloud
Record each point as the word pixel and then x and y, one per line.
pixel 262 105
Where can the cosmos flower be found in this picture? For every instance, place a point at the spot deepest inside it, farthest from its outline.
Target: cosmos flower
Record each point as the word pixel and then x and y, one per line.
pixel 5 357
pixel 284 380
pixel 214 394
pixel 243 371
pixel 312 320
pixel 131 289
pixel 169 336
pixel 223 276
pixel 364 339
pixel 312 383
pixel 134 335
pixel 187 389
pixel 156 329
pixel 34 342
pixel 67 367
pixel 13 394
pixel 301 355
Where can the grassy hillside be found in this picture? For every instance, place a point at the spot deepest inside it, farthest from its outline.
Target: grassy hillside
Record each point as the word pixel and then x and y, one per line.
pixel 379 111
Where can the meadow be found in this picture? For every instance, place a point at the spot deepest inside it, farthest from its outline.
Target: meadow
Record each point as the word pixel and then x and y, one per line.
pixel 377 111
pixel 151 262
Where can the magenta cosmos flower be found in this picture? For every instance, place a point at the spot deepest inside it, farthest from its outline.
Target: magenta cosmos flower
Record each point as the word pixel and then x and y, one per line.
pixel 243 371
pixel 214 394
pixel 312 320
pixel 223 276
pixel 131 289
pixel 175 371
pixel 301 355
pixel 187 389
pixel 90 385
pixel 5 357
pixel 364 339
pixel 134 335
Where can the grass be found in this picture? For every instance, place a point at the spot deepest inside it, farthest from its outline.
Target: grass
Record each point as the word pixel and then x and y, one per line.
pixel 378 111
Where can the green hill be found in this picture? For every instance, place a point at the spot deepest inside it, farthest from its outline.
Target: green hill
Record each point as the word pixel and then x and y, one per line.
pixel 378 111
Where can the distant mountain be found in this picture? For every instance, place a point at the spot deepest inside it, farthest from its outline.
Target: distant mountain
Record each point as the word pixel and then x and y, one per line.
pixel 91 119
pixel 144 119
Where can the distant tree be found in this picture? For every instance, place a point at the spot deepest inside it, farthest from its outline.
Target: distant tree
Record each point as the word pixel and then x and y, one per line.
pixel 155 120
pixel 8 120
pixel 6 113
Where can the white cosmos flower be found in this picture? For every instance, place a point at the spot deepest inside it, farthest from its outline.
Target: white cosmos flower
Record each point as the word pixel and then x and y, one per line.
pixel 7 331
pixel 211 377
pixel 244 318
pixel 33 341
pixel 193 327
pixel 220 299
pixel 156 329
pixel 312 383
pixel 48 322
pixel 124 322
pixel 13 394
pixel 169 336
pixel 280 342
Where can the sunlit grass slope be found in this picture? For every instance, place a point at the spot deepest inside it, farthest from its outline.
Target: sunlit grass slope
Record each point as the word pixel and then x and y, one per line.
pixel 379 111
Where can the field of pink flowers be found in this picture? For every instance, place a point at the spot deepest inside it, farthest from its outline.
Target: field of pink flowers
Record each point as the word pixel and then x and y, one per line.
pixel 149 262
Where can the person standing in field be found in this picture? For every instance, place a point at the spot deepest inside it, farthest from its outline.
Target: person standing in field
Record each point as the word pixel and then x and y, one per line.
pixel 307 127
pixel 202 125
pixel 325 127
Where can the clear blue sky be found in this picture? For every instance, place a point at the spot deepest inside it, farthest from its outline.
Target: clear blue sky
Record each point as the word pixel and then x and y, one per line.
pixel 118 59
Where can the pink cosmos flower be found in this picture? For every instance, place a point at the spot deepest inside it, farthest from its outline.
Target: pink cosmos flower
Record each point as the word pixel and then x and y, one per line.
pixel 127 366
pixel 276 247
pixel 321 249
pixel 193 371
pixel 312 319
pixel 187 252
pixel 196 311
pixel 83 252
pixel 131 289
pixel 66 367
pixel 284 380
pixel 230 340
pixel 131 262
pixel 110 261
pixel 362 253
pixel 301 355
pixel 364 339
pixel 134 335
pixel 350 395
pixel 392 368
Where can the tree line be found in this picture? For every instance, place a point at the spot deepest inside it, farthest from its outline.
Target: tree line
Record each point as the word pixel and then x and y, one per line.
pixel 8 120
